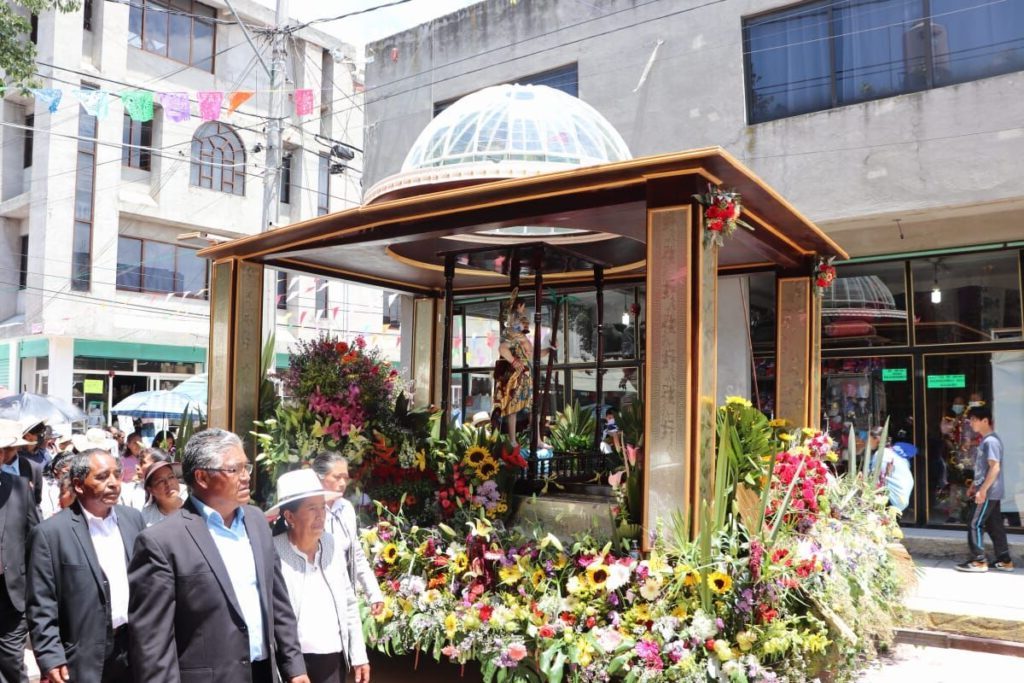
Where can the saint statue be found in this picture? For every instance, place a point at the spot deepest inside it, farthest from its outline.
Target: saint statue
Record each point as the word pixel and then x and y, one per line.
pixel 513 385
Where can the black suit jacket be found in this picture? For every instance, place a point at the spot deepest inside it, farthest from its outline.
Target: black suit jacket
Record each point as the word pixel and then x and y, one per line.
pixel 184 620
pixel 18 516
pixel 68 603
pixel 33 472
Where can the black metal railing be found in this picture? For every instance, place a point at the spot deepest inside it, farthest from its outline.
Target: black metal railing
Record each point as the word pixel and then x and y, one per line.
pixel 584 467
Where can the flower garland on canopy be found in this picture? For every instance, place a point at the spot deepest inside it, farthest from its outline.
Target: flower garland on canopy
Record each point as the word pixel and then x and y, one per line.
pixel 721 215
pixel 824 275
pixel 786 592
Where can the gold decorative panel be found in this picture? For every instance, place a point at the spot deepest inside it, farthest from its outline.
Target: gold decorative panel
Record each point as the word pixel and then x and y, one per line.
pixel 424 351
pixel 219 368
pixel 248 321
pixel 667 476
pixel 794 342
pixel 705 372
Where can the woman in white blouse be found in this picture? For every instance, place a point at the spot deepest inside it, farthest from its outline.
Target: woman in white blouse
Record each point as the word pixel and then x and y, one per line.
pixel 332 468
pixel 315 572
pixel 162 485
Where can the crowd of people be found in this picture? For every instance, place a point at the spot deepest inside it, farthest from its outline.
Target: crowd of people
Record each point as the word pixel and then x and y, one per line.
pixel 122 563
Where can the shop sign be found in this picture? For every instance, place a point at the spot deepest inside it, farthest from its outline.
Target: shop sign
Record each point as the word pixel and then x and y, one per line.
pixel 947 381
pixel 894 375
pixel 93 386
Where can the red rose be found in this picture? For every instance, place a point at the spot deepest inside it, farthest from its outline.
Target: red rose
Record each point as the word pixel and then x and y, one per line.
pixel 341 347
pixel 546 631
pixel 485 613
pixel 716 225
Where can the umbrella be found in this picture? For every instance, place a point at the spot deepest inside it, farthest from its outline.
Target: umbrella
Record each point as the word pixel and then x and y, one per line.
pixel 194 388
pixel 26 407
pixel 157 404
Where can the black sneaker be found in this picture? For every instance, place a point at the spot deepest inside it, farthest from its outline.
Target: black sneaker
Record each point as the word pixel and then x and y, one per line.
pixel 1006 566
pixel 973 566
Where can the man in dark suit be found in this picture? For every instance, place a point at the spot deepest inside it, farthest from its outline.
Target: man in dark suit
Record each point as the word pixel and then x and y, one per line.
pixel 208 601
pixel 78 578
pixel 18 516
pixel 12 461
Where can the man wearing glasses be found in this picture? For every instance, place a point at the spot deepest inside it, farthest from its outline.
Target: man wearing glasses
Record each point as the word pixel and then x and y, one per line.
pixel 208 600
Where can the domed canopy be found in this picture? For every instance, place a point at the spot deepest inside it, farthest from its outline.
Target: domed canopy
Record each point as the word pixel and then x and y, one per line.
pixel 506 131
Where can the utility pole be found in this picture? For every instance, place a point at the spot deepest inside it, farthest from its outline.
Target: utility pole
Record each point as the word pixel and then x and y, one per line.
pixel 275 125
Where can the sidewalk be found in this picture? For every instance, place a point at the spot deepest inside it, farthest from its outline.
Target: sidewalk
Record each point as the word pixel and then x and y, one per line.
pixel 938 665
pixel 989 605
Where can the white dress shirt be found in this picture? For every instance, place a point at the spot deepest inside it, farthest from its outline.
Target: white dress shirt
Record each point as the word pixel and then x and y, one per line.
pixel 342 526
pixel 109 546
pixel 319 630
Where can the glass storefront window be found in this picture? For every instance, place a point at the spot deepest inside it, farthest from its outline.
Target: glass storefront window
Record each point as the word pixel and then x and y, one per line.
pixel 621 307
pixel 864 392
pixel 115 364
pixel 866 306
pixel 169 367
pixel 953 382
pixel 967 298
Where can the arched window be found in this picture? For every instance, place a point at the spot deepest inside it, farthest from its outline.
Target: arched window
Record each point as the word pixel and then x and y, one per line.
pixel 218 159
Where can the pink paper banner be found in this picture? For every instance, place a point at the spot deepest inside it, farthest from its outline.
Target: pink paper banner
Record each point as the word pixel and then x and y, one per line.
pixel 304 102
pixel 210 102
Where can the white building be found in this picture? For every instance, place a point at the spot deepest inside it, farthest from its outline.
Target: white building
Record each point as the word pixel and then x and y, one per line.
pixel 101 293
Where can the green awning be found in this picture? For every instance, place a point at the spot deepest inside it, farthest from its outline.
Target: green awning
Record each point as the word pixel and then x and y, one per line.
pixel 94 348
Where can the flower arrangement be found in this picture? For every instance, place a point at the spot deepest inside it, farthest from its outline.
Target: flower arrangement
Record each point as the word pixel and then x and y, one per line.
pixel 776 594
pixel 824 275
pixel 721 215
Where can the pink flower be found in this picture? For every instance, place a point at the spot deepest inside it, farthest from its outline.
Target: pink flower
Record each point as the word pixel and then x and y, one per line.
pixel 516 652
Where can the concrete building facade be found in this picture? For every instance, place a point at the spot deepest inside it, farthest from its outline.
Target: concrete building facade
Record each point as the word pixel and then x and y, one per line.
pixel 100 292
pixel 895 126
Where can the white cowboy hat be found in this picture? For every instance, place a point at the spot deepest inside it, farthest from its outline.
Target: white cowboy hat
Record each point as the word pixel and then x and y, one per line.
pixel 11 433
pixel 94 438
pixel 296 485
pixel 480 419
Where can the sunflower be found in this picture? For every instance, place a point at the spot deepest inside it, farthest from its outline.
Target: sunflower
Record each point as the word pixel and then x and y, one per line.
pixel 597 575
pixel 719 582
pixel 537 578
pixel 476 455
pixel 487 468
pixel 390 553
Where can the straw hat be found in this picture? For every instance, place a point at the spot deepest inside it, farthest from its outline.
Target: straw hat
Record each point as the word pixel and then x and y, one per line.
pixel 296 485
pixel 11 432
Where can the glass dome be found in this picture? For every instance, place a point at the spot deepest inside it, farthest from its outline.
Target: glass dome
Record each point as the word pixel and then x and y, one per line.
pixel 532 123
pixel 861 296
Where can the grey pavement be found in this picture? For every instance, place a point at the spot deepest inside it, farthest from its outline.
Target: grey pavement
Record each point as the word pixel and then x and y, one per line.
pixel 913 663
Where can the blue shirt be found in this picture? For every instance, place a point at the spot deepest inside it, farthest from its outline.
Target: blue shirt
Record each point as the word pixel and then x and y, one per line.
pixel 236 552
pixel 11 468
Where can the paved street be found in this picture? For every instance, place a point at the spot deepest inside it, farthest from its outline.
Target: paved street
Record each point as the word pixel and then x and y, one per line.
pixel 913 664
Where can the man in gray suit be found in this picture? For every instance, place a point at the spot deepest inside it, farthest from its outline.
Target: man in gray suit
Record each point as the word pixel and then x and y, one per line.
pixel 18 516
pixel 208 600
pixel 77 601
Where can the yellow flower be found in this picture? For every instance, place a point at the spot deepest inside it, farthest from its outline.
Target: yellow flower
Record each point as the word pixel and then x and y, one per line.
pixel 597 575
pixel 475 455
pixel 421 460
pixel 561 560
pixel 775 424
pixel 737 401
pixel 815 642
pixel 679 612
pixel 537 578
pixel 807 431
pixel 451 624
pixel 746 640
pixel 786 437
pixel 487 468
pixel 724 652
pixel 511 574
pixel 501 508
pixel 719 582
pixel 460 562
pixel 586 653
pixel 390 553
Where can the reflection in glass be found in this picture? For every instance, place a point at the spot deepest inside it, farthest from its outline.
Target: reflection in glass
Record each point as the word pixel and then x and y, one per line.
pixel 978 300
pixel 865 306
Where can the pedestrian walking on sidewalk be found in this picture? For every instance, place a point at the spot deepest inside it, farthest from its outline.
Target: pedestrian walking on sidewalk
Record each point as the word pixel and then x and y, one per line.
pixel 986 494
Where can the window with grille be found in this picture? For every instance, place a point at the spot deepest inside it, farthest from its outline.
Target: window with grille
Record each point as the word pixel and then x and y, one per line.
pixel 218 159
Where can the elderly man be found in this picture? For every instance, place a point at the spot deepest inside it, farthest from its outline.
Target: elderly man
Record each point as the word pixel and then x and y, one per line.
pixel 78 578
pixel 208 600
pixel 18 516
pixel 13 462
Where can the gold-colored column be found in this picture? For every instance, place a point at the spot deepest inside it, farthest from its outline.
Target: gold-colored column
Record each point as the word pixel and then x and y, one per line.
pixel 236 321
pixel 680 372
pixel 798 352
pixel 426 354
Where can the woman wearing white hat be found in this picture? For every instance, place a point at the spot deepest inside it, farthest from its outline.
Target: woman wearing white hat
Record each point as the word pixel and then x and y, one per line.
pixel 316 575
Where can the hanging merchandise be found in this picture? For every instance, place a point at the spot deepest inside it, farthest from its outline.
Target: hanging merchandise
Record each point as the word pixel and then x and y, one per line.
pixel 237 99
pixel 176 106
pixel 304 102
pixel 94 102
pixel 210 102
pixel 138 104
pixel 48 96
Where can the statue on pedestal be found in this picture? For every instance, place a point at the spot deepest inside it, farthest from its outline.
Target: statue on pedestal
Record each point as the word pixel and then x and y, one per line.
pixel 513 386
